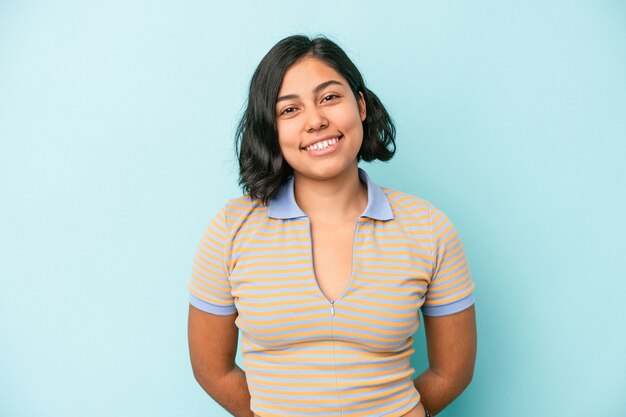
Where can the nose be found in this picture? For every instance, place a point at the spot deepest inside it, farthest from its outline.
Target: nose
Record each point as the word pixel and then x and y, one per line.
pixel 315 120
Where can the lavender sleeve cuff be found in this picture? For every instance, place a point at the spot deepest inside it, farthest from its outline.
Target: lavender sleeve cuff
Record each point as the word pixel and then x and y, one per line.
pixel 447 309
pixel 211 308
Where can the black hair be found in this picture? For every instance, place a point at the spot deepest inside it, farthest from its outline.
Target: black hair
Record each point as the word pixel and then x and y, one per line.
pixel 262 168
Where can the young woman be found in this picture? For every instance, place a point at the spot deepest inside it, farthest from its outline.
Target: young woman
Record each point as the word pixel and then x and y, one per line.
pixel 323 271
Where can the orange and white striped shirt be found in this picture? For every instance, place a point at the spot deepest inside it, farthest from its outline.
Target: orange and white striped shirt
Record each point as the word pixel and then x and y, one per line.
pixel 303 354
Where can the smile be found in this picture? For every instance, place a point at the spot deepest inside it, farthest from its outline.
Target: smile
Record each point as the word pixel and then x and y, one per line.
pixel 323 144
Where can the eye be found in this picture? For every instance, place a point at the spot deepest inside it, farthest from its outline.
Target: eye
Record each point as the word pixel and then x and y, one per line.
pixel 330 97
pixel 288 110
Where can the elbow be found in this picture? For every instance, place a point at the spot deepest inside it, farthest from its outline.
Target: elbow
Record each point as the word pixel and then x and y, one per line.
pixel 457 383
pixel 456 380
pixel 199 376
pixel 211 377
pixel 464 378
pixel 203 379
pixel 207 379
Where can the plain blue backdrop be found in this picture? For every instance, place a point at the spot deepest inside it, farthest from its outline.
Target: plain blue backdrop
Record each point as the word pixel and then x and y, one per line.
pixel 116 128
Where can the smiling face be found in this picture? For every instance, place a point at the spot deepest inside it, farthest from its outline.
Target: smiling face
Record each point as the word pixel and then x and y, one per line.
pixel 318 120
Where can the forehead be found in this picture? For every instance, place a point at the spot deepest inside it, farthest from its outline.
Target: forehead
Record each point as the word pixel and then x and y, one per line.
pixel 306 74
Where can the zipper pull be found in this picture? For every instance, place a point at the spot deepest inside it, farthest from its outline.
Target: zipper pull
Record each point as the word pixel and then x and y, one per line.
pixel 332 309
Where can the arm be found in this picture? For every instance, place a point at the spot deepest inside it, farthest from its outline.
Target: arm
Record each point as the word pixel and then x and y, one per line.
pixel 212 349
pixel 451 342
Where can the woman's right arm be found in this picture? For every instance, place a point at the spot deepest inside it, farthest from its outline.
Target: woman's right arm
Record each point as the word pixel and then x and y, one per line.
pixel 212 348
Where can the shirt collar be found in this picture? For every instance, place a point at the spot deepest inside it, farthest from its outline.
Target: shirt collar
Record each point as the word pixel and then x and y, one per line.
pixel 283 205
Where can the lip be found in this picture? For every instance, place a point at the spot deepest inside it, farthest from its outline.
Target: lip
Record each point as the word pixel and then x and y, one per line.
pixel 338 136
pixel 325 151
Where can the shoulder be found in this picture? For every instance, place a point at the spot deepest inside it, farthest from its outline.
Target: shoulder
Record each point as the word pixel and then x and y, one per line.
pixel 417 214
pixel 406 205
pixel 241 209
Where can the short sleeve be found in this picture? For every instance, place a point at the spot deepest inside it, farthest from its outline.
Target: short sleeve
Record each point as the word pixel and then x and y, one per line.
pixel 209 287
pixel 451 288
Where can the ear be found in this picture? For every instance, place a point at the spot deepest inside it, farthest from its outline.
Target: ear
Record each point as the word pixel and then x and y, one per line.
pixel 362 107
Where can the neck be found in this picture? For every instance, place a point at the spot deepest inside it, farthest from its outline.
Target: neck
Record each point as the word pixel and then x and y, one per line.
pixel 340 198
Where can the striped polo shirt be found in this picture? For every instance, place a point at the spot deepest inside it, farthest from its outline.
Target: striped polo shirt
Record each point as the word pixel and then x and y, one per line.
pixel 305 355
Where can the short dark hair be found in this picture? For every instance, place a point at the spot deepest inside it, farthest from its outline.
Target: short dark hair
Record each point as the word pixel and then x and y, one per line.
pixel 262 168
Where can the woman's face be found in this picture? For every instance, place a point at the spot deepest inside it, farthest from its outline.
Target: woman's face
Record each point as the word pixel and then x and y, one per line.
pixel 319 121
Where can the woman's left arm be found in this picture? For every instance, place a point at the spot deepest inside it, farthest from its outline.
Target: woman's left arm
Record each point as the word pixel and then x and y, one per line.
pixel 451 342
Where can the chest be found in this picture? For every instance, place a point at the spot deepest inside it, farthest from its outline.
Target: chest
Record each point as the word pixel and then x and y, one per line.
pixel 296 283
pixel 332 251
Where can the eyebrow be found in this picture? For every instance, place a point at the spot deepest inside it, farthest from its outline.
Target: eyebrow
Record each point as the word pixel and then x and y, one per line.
pixel 315 90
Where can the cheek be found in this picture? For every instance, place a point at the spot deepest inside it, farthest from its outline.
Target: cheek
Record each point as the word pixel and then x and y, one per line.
pixel 283 134
pixel 351 119
pixel 354 127
pixel 288 139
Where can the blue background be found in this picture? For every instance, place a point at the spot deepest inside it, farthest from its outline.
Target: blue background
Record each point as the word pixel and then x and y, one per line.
pixel 116 127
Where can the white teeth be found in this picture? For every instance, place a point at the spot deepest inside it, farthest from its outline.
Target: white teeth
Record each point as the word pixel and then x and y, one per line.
pixel 322 145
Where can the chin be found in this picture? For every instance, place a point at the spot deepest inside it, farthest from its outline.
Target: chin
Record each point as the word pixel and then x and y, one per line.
pixel 327 173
